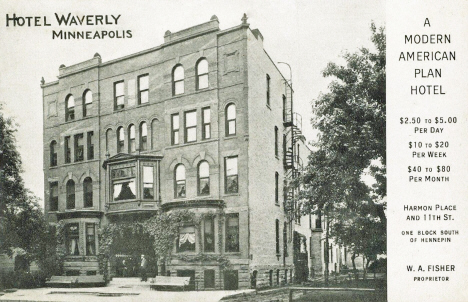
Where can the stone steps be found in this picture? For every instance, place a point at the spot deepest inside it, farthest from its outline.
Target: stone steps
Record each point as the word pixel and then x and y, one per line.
pixel 128 282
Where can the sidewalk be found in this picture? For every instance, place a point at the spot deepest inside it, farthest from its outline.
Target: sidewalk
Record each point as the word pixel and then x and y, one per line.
pixel 113 293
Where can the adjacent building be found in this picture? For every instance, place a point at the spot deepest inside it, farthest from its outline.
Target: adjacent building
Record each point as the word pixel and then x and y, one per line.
pixel 203 122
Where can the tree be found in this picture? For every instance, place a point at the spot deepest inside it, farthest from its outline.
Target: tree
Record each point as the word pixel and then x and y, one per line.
pixel 22 225
pixel 351 121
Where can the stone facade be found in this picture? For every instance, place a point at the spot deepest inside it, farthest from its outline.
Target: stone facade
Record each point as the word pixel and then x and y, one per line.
pixel 126 138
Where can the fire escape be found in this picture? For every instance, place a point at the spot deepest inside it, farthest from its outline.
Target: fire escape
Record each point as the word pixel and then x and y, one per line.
pixel 292 162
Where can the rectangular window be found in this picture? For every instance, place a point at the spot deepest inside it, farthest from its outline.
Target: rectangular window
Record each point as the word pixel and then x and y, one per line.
pixel 208 242
pixel 175 129
pixel 186 240
pixel 206 123
pixel 318 220
pixel 148 182
pixel 72 238
pixel 232 233
pixel 79 147
pixel 268 90
pixel 53 196
pixel 276 141
pixel 231 181
pixel 90 145
pixel 276 188
pixel 190 126
pixel 119 95
pixel 90 239
pixel 67 150
pixel 143 89
pixel 209 278
pixel 123 183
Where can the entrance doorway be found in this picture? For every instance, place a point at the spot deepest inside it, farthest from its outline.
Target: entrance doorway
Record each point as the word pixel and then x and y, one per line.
pixel 231 280
pixel 188 273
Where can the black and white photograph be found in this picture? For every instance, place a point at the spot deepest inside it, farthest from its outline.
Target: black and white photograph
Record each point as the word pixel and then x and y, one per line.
pixel 232 151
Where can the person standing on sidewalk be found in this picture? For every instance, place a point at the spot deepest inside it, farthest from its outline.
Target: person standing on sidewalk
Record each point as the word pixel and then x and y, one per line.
pixel 143 265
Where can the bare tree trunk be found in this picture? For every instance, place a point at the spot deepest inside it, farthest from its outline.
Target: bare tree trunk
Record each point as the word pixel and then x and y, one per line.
pixel 354 266
pixel 366 267
pixel 326 256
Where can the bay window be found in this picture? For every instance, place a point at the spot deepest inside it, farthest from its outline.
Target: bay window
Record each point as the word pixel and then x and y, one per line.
pixel 72 239
pixel 123 183
pixel 186 240
pixel 148 182
pixel 208 234
pixel 90 239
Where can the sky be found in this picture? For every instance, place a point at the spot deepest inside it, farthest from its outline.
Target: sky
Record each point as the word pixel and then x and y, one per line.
pixel 305 34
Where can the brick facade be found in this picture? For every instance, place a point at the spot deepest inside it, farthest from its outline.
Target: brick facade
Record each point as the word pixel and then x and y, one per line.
pixel 241 73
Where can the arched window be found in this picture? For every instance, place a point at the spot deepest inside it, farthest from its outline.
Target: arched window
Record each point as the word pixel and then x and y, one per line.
pixel 202 74
pixel 204 178
pixel 87 102
pixel 178 80
pixel 70 194
pixel 154 133
pixel 143 136
pixel 69 108
pixel 179 186
pixel 108 135
pixel 88 192
pixel 120 139
pixel 53 153
pixel 230 120
pixel 131 139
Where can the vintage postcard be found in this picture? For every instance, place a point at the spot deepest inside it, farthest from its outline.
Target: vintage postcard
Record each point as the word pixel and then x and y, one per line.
pixel 233 150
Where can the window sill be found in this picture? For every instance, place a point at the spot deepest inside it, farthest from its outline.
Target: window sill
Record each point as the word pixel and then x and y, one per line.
pixel 185 93
pixel 74 163
pixel 192 143
pixel 142 105
pixel 230 137
pixel 277 157
pixel 186 253
pixel 231 194
pixel 268 106
pixel 233 253
pixel 124 201
pixel 277 204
